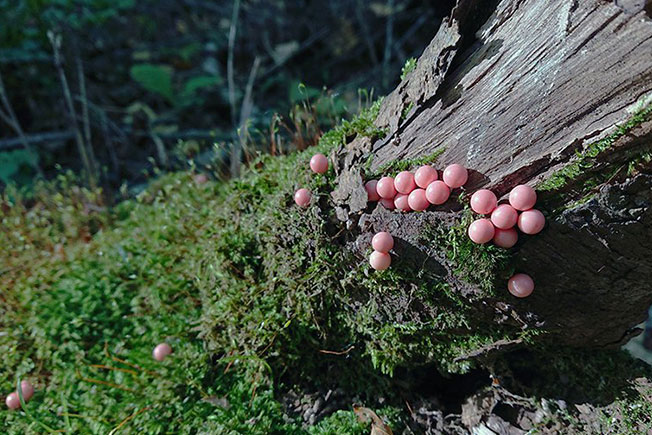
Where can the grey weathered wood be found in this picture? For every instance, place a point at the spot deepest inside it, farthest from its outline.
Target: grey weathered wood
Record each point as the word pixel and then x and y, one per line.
pixel 514 97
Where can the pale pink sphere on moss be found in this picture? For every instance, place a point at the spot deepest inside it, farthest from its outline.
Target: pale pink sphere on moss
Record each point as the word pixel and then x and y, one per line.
pixel 531 221
pixel 401 202
pixel 404 182
pixel 504 216
pixel 27 389
pixel 520 285
pixel 372 193
pixel 417 200
pixel 438 192
pixel 481 231
pixel 382 242
pixel 505 238
pixel 483 201
pixel 12 401
pixel 200 179
pixel 522 197
pixel 388 203
pixel 385 188
pixel 161 351
pixel 455 176
pixel 319 163
pixel 380 260
pixel 425 175
pixel 302 197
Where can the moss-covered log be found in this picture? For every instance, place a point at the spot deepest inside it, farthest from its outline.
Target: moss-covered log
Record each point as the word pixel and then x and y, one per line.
pixel 552 94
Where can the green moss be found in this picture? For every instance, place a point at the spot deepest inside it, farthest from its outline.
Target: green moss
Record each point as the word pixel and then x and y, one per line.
pixel 406 111
pixel 410 65
pixel 396 166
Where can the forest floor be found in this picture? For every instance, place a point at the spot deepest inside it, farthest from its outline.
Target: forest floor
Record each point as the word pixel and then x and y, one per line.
pixel 262 341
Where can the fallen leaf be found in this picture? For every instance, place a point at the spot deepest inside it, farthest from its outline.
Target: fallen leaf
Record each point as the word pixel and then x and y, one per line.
pixel 366 415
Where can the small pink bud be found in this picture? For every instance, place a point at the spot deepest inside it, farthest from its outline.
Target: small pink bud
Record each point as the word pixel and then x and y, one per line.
pixel 504 216
pixel 385 188
pixel 404 182
pixel 388 203
pixel 380 260
pixel 520 285
pixel 372 193
pixel 455 175
pixel 161 351
pixel 401 202
pixel 505 238
pixel 522 197
pixel 481 231
pixel 531 221
pixel 12 401
pixel 483 201
pixel 319 163
pixel 417 200
pixel 27 390
pixel 200 179
pixel 302 197
pixel 437 192
pixel 382 242
pixel 425 175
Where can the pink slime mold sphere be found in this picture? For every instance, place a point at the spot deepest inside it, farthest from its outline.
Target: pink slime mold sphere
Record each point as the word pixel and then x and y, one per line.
pixel 404 182
pixel 161 351
pixel 520 285
pixel 522 197
pixel 504 216
pixel 385 188
pixel 401 202
pixel 425 175
pixel 531 221
pixel 27 389
pixel 372 193
pixel 302 197
pixel 437 192
pixel 455 176
pixel 382 242
pixel 417 200
pixel 481 231
pixel 505 238
pixel 380 260
pixel 483 201
pixel 12 401
pixel 319 163
pixel 388 203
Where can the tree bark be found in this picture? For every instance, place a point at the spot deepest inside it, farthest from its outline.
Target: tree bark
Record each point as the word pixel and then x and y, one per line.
pixel 513 89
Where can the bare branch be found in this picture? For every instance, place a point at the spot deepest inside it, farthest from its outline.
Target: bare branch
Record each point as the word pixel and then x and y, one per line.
pixel 85 119
pixel 245 113
pixel 229 63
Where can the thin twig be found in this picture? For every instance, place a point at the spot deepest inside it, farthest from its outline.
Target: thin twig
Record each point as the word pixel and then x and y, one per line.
pixel 365 32
pixel 10 118
pixel 123 422
pixel 229 62
pixel 85 119
pixel 101 382
pixel 245 113
pixel 333 352
pixel 389 30
pixel 102 366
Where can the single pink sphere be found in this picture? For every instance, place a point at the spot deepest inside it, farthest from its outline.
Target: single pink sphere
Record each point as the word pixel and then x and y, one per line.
pixel 417 200
pixel 505 238
pixel 504 216
pixel 380 260
pixel 438 192
pixel 481 231
pixel 372 193
pixel 385 188
pixel 200 179
pixel 520 285
pixel 161 351
pixel 388 203
pixel 302 197
pixel 404 182
pixel 401 202
pixel 319 163
pixel 425 175
pixel 483 201
pixel 455 175
pixel 531 221
pixel 27 389
pixel 12 401
pixel 522 197
pixel 382 242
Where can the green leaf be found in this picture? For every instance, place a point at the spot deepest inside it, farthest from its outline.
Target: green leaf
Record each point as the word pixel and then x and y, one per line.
pixel 198 83
pixel 154 78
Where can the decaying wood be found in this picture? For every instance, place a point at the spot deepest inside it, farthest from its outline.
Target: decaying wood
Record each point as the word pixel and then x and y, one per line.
pixel 512 89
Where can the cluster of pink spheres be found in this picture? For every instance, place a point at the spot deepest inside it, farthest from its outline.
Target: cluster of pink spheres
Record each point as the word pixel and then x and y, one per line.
pixel 417 191
pixel 13 401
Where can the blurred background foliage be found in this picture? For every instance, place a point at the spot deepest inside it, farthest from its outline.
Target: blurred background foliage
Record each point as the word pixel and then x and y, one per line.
pixel 159 83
